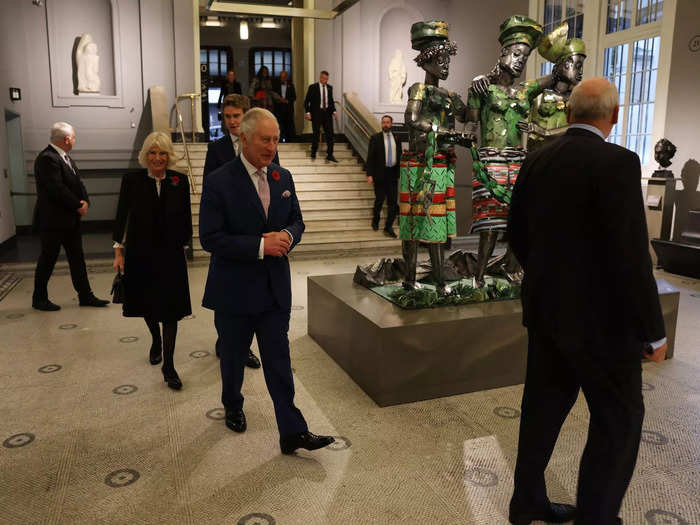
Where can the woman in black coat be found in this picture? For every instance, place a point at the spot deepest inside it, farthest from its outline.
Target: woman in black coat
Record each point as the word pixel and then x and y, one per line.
pixel 153 226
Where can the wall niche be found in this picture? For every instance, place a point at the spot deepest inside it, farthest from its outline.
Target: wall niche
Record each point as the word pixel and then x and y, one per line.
pixel 66 21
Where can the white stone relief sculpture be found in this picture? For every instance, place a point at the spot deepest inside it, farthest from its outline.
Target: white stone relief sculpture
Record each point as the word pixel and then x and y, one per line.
pixel 397 77
pixel 88 63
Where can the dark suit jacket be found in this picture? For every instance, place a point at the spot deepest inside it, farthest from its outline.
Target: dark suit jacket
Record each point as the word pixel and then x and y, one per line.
pixel 291 93
pixel 312 102
pixel 231 223
pixel 227 89
pixel 59 192
pixel 220 152
pixel 376 158
pixel 578 228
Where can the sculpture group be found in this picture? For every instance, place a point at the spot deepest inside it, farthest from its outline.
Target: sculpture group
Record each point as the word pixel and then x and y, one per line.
pixel 502 118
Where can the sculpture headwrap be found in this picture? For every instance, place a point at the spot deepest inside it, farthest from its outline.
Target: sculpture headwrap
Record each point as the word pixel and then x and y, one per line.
pixel 430 38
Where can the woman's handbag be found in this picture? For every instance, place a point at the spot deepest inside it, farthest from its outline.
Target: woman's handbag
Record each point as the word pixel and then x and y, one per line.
pixel 118 289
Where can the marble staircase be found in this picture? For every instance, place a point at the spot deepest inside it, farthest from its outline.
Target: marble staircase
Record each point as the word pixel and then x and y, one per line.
pixel 335 200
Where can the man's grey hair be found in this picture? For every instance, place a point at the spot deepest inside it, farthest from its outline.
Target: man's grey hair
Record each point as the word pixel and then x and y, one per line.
pixel 584 105
pixel 61 130
pixel 251 119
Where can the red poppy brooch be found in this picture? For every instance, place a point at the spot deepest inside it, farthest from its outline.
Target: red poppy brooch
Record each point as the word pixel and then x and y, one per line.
pixel 275 175
pixel 174 180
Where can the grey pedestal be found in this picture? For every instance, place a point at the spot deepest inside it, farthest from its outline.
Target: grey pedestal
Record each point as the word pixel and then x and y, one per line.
pixel 400 356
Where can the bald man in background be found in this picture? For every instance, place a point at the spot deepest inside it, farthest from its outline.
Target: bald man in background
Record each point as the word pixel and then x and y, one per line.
pixel 590 317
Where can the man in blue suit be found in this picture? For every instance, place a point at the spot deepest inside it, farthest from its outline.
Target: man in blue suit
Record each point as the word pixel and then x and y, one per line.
pixel 249 221
pixel 224 150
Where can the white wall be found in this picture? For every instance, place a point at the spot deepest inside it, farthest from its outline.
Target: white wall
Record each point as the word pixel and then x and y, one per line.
pixel 157 48
pixel 683 110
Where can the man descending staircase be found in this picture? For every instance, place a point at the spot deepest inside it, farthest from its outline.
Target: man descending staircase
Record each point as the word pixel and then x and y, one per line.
pixel 335 200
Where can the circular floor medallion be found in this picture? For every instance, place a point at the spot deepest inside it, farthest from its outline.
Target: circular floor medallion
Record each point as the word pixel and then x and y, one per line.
pixel 124 390
pixel 663 517
pixel 340 443
pixel 653 438
pixel 128 339
pixel 198 354
pixel 256 518
pixel 14 316
pixel 68 326
pixel 48 369
pixel 122 478
pixel 507 412
pixel 217 414
pixel 18 440
pixel 481 477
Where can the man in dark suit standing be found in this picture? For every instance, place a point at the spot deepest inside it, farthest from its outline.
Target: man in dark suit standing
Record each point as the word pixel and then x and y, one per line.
pixel 249 220
pixel 61 201
pixel 228 87
pixel 383 170
pixel 320 110
pixel 284 108
pixel 591 316
pixel 226 149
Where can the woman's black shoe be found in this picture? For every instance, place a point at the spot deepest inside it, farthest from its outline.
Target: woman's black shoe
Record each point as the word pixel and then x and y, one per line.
pixel 155 356
pixel 172 379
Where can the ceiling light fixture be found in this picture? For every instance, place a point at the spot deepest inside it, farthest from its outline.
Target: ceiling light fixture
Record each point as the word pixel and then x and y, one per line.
pixel 244 30
pixel 212 21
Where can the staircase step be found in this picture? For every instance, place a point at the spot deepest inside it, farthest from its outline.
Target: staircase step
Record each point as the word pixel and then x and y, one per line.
pixel 330 177
pixel 378 243
pixel 306 196
pixel 359 216
pixel 335 204
pixel 337 225
pixel 323 185
pixel 324 241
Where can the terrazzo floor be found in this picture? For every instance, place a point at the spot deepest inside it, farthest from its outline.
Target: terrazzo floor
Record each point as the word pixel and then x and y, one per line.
pixel 92 435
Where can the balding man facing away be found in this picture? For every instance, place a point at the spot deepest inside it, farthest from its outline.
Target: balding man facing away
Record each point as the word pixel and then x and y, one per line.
pixel 591 314
pixel 61 202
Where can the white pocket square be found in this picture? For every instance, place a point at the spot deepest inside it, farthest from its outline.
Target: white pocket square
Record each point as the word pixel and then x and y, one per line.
pixel 286 194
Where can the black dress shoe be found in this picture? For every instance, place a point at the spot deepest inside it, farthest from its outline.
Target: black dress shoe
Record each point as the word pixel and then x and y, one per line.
pixel 235 420
pixel 313 156
pixel 306 440
pixel 390 233
pixel 45 305
pixel 155 356
pixel 252 362
pixel 375 225
pixel 331 158
pixel 556 513
pixel 91 300
pixel 171 377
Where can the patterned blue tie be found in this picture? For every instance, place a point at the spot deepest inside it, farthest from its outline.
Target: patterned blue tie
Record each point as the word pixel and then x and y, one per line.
pixel 389 156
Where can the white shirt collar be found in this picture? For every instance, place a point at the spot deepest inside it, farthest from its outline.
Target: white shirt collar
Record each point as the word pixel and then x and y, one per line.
pixel 588 127
pixel 252 170
pixel 60 151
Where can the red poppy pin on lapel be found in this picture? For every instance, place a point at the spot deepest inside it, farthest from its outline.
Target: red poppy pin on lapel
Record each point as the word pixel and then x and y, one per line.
pixel 175 180
pixel 275 175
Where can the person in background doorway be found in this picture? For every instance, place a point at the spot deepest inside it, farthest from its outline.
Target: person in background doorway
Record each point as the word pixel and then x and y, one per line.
pixel 230 85
pixel 260 92
pixel 284 107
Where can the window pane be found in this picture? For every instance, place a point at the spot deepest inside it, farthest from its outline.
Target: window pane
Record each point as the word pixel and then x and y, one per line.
pixel 214 68
pixel 224 60
pixel 619 15
pixel 202 56
pixel 649 11
pixel 214 55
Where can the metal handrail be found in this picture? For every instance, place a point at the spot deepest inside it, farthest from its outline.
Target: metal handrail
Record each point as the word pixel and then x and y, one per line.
pixel 358 121
pixel 181 127
pixel 354 119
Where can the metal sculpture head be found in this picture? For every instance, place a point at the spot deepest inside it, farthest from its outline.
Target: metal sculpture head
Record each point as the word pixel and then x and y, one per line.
pixel 567 54
pixel 518 36
pixel 664 150
pixel 430 38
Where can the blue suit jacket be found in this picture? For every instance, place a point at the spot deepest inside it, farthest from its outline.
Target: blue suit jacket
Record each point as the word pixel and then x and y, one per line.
pixel 220 152
pixel 231 222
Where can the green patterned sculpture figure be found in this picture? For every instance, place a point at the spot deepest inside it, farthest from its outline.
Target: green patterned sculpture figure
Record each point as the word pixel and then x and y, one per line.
pixel 426 184
pixel 548 112
pixel 497 104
